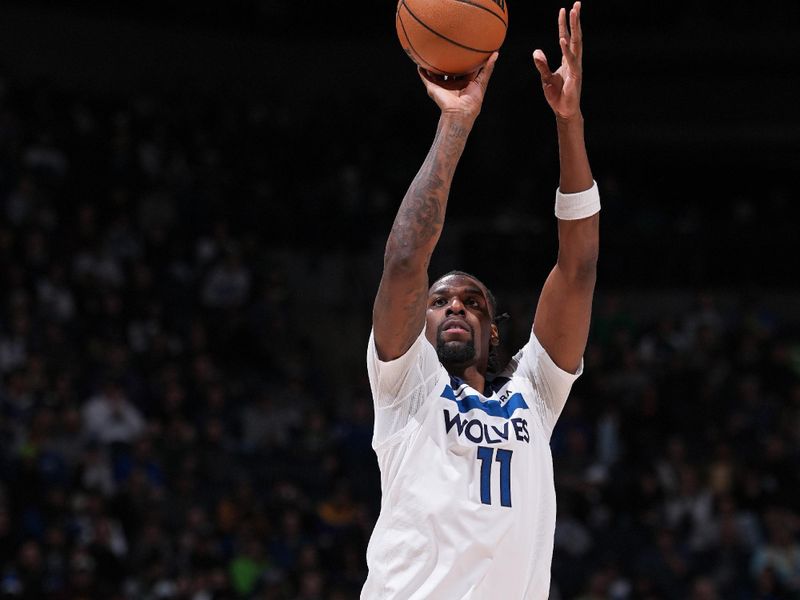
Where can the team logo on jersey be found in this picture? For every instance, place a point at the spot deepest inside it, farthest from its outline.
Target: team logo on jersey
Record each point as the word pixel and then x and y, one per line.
pixel 480 432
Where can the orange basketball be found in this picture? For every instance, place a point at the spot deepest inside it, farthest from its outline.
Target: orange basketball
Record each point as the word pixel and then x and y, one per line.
pixel 451 37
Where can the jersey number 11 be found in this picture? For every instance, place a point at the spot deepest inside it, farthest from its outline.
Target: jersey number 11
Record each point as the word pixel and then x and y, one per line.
pixel 485 455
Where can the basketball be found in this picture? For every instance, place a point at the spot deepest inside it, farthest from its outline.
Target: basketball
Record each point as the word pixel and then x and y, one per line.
pixel 451 37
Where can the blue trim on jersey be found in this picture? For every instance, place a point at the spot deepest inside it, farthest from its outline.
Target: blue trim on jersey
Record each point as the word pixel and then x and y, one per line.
pixel 493 408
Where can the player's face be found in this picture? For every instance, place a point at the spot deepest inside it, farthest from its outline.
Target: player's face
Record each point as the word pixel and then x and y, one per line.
pixel 459 321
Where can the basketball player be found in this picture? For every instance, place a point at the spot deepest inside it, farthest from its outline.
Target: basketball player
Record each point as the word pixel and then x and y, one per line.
pixel 469 507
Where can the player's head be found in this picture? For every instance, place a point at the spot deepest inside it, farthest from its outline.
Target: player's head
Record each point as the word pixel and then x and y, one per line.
pixel 461 322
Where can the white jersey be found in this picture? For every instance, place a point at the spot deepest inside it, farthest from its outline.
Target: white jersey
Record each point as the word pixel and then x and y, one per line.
pixel 468 505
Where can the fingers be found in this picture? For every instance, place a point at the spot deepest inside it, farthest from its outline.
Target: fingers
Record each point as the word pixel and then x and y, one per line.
pixel 575 23
pixel 563 32
pixel 540 62
pixel 483 76
pixel 569 57
pixel 571 39
pixel 576 41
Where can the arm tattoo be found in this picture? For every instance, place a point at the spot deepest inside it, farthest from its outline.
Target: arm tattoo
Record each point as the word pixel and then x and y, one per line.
pixel 414 234
pixel 420 218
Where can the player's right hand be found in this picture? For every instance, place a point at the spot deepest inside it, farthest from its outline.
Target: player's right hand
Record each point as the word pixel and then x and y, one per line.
pixel 465 100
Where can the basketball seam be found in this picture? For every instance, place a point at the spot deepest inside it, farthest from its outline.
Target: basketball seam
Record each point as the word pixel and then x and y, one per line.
pixel 408 39
pixel 444 37
pixel 490 11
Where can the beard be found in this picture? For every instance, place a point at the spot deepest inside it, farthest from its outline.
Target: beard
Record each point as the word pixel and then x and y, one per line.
pixel 455 354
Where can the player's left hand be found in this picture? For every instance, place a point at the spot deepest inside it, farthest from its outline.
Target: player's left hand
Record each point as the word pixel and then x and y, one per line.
pixel 562 88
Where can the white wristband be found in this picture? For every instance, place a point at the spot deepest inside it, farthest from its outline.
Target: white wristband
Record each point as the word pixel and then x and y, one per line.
pixel 579 205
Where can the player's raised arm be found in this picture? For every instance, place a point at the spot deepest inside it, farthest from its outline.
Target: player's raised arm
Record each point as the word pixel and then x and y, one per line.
pixel 562 316
pixel 398 315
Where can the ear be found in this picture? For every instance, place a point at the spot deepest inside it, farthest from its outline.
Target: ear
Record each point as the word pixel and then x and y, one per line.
pixel 494 339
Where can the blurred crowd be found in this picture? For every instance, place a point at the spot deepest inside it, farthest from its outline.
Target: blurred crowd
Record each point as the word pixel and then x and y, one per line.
pixel 184 410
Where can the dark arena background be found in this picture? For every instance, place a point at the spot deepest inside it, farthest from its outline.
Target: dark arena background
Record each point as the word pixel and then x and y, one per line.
pixel 194 198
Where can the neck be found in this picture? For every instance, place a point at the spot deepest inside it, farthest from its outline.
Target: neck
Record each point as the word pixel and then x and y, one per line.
pixel 471 375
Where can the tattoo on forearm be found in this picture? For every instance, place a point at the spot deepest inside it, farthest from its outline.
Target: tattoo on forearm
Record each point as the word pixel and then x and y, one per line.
pixel 421 215
pixel 415 231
